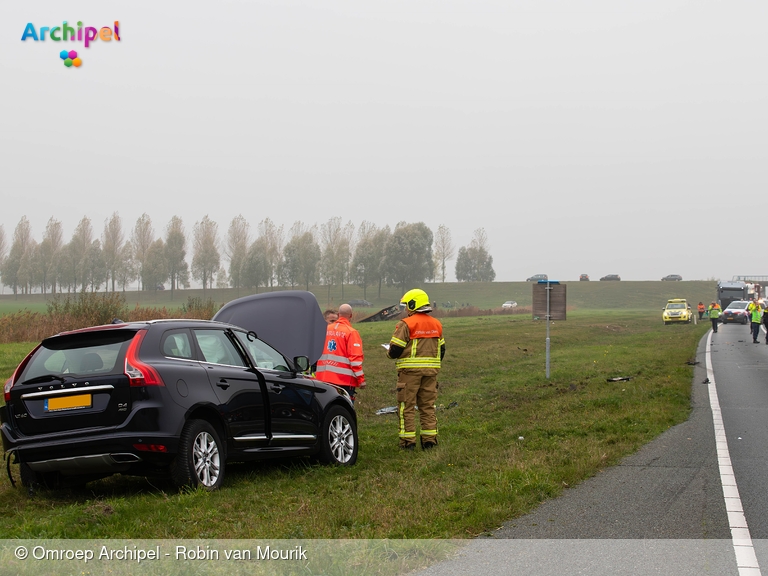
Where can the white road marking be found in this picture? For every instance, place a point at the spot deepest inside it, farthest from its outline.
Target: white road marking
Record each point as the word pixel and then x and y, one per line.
pixel 746 560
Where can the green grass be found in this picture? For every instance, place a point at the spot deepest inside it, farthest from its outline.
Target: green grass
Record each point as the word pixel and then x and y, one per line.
pixel 512 439
pixel 485 295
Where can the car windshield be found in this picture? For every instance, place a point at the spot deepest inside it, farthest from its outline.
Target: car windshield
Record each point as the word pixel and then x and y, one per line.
pixel 737 305
pixel 263 355
pixel 676 306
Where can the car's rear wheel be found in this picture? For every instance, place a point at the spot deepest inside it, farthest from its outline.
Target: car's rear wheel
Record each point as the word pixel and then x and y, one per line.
pixel 200 461
pixel 338 438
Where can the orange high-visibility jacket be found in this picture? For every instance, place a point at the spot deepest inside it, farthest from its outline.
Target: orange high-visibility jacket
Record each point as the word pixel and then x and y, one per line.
pixel 342 359
pixel 420 337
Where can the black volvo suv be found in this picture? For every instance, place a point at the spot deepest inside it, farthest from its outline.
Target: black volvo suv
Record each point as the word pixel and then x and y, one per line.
pixel 173 397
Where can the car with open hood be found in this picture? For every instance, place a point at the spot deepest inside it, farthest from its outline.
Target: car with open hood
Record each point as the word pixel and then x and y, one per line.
pixel 178 398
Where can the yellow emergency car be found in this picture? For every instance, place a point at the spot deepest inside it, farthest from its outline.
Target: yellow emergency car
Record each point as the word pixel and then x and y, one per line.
pixel 677 310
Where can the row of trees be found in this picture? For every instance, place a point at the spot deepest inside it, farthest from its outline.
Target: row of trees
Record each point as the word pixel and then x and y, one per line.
pixel 333 253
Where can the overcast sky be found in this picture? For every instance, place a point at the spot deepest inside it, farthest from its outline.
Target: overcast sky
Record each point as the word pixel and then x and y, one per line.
pixel 584 136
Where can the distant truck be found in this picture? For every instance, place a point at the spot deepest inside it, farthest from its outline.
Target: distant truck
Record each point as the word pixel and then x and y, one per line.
pixel 728 292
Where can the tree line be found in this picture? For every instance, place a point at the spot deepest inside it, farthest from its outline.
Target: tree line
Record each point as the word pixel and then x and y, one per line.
pixel 332 254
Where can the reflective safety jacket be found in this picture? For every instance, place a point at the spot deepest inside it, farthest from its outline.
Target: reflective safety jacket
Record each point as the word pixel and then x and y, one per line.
pixel 714 311
pixel 417 342
pixel 755 313
pixel 342 359
pixel 702 308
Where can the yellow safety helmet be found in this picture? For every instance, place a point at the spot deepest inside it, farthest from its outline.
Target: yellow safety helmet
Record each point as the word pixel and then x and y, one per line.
pixel 415 299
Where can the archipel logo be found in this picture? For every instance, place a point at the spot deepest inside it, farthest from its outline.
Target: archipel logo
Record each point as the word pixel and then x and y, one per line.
pixel 66 33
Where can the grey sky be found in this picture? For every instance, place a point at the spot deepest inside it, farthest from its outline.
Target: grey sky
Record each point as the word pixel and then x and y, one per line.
pixel 585 136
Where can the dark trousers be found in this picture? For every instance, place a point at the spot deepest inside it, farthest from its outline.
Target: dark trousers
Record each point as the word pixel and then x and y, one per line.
pixel 755 331
pixel 714 324
pixel 352 391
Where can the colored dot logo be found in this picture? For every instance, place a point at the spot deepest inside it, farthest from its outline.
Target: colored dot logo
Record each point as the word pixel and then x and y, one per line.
pixel 70 58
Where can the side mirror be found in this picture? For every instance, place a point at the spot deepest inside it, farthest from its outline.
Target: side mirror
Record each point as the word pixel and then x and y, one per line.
pixel 302 363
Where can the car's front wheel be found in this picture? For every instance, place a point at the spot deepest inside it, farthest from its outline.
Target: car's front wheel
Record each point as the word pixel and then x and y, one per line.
pixel 200 461
pixel 339 438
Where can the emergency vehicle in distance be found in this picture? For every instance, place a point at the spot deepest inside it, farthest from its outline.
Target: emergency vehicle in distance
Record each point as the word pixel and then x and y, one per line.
pixel 677 310
pixel 728 292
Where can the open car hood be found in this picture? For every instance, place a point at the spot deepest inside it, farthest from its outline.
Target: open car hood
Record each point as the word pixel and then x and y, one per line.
pixel 290 320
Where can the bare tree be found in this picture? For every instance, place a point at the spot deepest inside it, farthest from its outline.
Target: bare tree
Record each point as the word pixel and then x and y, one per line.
pixel 80 251
pixel 22 239
pixel 155 271
pixel 336 242
pixel 142 238
pixel 238 241
pixel 273 240
pixel 444 249
pixel 206 258
pixel 93 267
pixel 367 258
pixel 50 253
pixel 112 243
pixel 301 256
pixel 176 253
pixel 126 272
pixel 3 248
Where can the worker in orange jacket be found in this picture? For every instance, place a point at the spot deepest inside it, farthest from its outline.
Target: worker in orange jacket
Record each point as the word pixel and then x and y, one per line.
pixel 342 360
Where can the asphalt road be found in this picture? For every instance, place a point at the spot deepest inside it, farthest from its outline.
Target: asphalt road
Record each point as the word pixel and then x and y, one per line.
pixel 662 510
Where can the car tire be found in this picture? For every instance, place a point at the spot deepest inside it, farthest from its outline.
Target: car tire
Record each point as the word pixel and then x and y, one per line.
pixel 338 438
pixel 200 461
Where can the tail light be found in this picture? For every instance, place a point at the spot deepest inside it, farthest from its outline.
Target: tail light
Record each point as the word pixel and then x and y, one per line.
pixel 16 373
pixel 139 373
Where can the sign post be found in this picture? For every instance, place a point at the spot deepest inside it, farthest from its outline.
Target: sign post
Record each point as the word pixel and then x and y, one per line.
pixel 549 298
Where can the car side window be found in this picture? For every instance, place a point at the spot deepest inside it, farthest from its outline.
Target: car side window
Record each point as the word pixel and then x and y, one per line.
pixel 264 356
pixel 217 348
pixel 176 344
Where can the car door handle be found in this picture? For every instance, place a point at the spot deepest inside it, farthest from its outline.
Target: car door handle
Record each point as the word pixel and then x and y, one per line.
pixel 223 384
pixel 276 388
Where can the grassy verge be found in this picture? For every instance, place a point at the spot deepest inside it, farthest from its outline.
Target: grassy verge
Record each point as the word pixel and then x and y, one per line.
pixel 509 437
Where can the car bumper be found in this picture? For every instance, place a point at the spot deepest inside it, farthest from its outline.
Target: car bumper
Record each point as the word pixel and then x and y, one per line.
pixel 91 454
pixel 91 451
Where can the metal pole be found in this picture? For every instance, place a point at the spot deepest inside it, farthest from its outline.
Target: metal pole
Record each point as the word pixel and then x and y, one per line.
pixel 549 288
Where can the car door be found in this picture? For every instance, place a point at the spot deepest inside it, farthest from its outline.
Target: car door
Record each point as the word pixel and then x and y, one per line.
pixel 238 387
pixel 293 412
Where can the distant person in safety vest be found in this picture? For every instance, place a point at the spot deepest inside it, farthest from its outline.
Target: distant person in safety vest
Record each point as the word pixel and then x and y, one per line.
pixel 714 315
pixel 418 347
pixel 701 309
pixel 342 359
pixel 755 318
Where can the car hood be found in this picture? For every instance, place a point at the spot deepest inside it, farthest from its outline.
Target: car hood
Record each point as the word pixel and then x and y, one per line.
pixel 290 320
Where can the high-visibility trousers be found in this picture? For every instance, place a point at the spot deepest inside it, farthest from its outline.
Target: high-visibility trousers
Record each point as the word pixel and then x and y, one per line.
pixel 417 387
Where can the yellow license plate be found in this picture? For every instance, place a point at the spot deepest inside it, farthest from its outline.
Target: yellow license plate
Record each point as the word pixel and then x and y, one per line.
pixel 68 403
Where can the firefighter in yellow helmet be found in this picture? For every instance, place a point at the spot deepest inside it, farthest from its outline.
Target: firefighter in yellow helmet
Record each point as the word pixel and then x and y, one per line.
pixel 418 347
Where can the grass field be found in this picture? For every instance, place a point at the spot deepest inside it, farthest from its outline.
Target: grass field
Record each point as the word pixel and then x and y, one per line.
pixel 484 295
pixel 510 439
